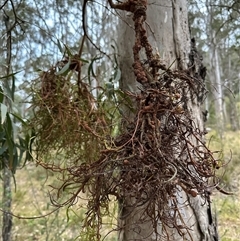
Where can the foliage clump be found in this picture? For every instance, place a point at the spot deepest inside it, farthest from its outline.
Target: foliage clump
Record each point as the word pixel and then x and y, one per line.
pixel 67 118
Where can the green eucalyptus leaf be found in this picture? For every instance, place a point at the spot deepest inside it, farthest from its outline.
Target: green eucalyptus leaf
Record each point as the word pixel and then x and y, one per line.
pixel 15 161
pixel 117 75
pixel 9 130
pixel 3 148
pixel 22 149
pixel 84 60
pixel 10 75
pixel 9 133
pixel 60 46
pixel 68 50
pixel 7 92
pixel 1 95
pixel 65 68
pixel 19 118
pixel 2 136
pixel 4 110
pixel 90 68
pixel 14 131
pixel 127 100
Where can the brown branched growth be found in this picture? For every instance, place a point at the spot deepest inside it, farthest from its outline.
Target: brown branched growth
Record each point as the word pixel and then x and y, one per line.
pixel 161 152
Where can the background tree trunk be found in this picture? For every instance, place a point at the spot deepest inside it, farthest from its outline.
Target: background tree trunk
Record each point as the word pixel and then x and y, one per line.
pixel 6 172
pixel 215 77
pixel 168 32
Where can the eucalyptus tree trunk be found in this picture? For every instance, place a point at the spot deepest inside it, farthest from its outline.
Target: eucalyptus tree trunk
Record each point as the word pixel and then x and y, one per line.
pixel 215 76
pixel 233 113
pixel 215 79
pixel 168 32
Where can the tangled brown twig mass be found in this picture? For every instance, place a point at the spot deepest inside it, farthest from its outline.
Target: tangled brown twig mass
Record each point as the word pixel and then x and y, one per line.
pixel 162 151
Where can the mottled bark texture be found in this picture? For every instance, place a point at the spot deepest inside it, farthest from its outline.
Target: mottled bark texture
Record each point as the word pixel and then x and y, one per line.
pixel 168 33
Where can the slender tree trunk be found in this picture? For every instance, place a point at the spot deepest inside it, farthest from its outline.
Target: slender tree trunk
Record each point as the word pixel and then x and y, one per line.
pixel 233 114
pixel 215 77
pixel 7 191
pixel 168 32
pixel 6 205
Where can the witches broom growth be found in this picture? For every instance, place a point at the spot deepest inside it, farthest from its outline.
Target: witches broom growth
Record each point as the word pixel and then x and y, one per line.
pixel 161 151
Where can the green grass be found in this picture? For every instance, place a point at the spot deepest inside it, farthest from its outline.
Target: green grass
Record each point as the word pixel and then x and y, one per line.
pixel 31 199
pixel 228 207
